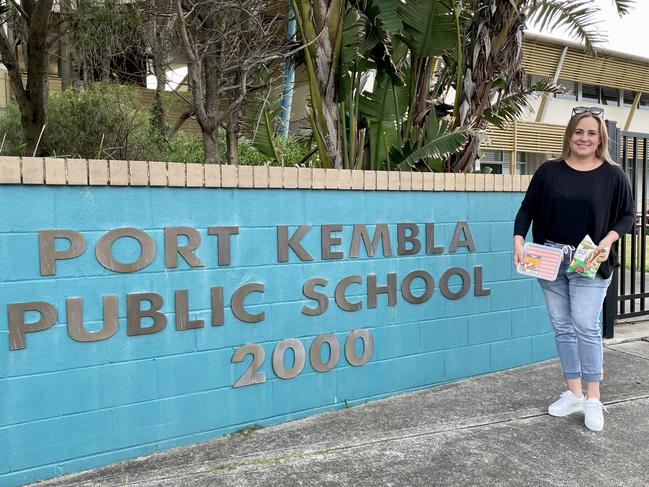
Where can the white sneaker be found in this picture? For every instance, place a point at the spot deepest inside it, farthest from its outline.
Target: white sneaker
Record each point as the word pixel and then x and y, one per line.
pixel 594 416
pixel 567 404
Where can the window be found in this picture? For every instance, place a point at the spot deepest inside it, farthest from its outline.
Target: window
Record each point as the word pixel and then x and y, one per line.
pixel 628 98
pixel 521 158
pixel 601 95
pixel 497 160
pixel 568 90
pixel 609 96
pixel 644 102
pixel 529 162
pixel 590 93
pixel 532 79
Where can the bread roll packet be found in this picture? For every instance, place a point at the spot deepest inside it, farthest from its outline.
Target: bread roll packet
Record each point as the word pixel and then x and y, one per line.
pixel 581 255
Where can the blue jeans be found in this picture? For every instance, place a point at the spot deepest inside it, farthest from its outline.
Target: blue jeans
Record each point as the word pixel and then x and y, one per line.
pixel 574 303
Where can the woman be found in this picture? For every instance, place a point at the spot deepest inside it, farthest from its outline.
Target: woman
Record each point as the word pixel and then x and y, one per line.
pixel 581 193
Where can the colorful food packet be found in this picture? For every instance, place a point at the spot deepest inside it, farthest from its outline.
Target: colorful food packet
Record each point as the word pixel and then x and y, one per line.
pixel 578 262
pixel 540 261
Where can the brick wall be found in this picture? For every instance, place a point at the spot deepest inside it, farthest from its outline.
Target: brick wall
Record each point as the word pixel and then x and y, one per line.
pixel 67 405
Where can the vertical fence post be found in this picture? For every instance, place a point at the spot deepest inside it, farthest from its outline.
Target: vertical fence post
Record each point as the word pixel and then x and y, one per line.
pixel 610 307
pixel 609 312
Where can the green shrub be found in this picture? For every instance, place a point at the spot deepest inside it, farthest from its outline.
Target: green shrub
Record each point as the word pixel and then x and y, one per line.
pixel 182 148
pixel 293 149
pixel 11 132
pixel 104 121
pixel 107 121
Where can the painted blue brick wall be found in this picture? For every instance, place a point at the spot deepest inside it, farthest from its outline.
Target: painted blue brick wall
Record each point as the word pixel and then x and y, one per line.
pixel 67 406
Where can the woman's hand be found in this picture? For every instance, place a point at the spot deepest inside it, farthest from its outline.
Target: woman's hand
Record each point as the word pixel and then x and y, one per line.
pixel 518 250
pixel 601 253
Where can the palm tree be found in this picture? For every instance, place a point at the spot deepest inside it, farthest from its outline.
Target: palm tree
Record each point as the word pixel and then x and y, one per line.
pixel 421 50
pixel 489 59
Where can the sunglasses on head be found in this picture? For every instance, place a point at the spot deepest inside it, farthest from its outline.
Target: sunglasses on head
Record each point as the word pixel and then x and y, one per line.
pixel 594 110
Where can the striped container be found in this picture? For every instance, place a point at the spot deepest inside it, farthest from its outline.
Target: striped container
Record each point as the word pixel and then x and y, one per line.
pixel 540 261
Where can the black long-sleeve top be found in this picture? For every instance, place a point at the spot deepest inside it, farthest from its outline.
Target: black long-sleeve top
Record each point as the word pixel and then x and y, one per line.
pixel 564 205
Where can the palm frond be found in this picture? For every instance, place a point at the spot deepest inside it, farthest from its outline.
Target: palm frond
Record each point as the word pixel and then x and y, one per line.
pixel 444 143
pixel 353 35
pixel 623 7
pixel 429 26
pixel 513 105
pixel 386 102
pixel 579 18
pixel 387 15
pixel 384 107
pixel 259 123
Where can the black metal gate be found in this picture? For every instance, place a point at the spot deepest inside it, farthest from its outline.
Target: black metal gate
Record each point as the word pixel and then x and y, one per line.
pixel 628 295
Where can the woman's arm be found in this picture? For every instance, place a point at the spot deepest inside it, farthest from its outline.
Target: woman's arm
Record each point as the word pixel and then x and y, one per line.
pixel 625 212
pixel 519 241
pixel 526 214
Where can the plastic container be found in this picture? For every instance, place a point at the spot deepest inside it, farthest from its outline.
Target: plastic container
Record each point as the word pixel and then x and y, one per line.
pixel 540 261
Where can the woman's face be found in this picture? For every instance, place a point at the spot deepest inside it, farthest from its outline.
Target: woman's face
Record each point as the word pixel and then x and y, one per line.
pixel 585 139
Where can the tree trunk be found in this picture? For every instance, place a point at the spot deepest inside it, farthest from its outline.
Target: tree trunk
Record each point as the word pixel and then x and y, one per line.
pixel 209 117
pixel 37 73
pixel 160 33
pixel 179 123
pixel 105 67
pixel 320 24
pixel 232 138
pixel 211 147
pixel 64 45
pixel 66 64
pixel 32 99
pixel 158 108
pixel 75 70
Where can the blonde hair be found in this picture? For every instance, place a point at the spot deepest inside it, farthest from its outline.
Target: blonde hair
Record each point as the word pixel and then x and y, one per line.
pixel 602 149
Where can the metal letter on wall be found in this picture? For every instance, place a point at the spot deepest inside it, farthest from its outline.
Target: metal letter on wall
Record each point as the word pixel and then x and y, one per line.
pixel 350 347
pixel 341 299
pixel 466 283
pixel 326 241
pixel 223 235
pixel 75 320
pixel 477 279
pixel 462 228
pixel 134 314
pixel 237 303
pixel 48 253
pixel 411 238
pixel 284 242
pixel 373 290
pixel 172 249
pixel 315 352
pixel 17 325
pixel 278 358
pixel 218 306
pixel 360 233
pixel 430 240
pixel 406 292
pixel 250 375
pixel 322 299
pixel 104 250
pixel 182 312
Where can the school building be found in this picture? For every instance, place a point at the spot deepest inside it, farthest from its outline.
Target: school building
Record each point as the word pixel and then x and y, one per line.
pixel 615 81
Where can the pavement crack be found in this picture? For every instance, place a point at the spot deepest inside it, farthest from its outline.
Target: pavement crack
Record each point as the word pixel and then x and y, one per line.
pixel 275 459
pixel 626 352
pixel 628 399
pixel 278 456
pixel 480 424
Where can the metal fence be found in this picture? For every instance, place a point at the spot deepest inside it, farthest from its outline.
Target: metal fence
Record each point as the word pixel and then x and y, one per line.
pixel 628 295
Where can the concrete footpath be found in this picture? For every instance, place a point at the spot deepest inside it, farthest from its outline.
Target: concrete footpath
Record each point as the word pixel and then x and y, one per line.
pixel 488 430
